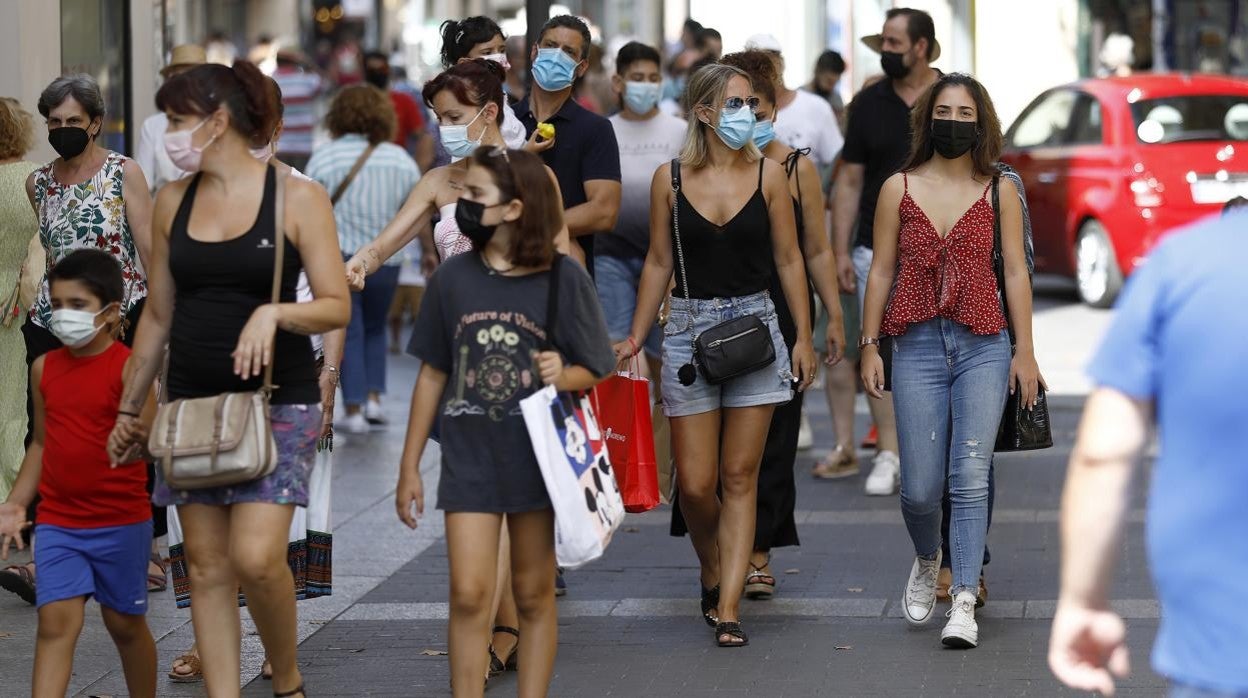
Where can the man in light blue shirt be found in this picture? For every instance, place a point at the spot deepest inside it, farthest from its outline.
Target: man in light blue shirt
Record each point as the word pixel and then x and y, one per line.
pixel 1174 355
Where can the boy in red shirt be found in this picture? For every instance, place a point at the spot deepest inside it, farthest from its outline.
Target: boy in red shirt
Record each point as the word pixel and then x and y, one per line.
pixel 94 527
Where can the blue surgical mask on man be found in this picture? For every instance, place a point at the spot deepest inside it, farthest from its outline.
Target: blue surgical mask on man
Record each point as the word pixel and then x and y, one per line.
pixel 641 97
pixel 736 127
pixel 764 132
pixel 554 70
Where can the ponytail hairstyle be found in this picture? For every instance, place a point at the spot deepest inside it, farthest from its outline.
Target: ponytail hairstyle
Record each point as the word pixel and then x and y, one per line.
pixel 458 38
pixel 521 175
pixel 242 90
pixel 477 82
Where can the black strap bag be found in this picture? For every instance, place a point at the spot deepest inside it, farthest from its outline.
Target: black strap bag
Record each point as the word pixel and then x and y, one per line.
pixel 1021 429
pixel 733 348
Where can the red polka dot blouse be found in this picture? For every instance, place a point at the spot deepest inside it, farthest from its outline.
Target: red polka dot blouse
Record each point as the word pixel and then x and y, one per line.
pixel 950 277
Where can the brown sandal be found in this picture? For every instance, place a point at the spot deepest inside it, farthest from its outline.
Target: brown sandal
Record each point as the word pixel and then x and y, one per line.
pixel 760 585
pixel 191 660
pixel 19 580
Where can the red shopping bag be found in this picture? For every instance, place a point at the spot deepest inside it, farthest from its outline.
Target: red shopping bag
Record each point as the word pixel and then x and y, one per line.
pixel 622 403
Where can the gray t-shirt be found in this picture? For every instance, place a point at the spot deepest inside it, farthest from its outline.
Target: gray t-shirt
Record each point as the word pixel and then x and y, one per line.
pixel 482 330
pixel 644 147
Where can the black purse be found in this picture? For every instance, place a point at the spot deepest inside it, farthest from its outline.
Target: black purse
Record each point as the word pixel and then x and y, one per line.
pixel 1021 429
pixel 730 349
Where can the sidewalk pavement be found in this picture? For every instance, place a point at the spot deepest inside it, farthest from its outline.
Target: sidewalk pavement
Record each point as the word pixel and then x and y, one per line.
pixel 629 625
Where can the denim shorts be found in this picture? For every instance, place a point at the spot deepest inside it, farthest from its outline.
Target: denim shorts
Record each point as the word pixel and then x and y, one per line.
pixel 770 385
pixel 617 279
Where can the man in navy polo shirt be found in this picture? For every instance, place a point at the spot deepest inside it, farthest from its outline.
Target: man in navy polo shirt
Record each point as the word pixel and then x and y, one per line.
pixel 583 155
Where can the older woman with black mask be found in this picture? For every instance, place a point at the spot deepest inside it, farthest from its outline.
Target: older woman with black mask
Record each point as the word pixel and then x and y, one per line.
pixel 88 197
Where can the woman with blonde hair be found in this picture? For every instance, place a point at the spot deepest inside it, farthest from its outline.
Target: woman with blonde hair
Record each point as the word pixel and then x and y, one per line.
pixel 720 217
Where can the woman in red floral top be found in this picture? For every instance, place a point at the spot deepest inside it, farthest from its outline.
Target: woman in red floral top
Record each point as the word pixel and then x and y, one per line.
pixel 933 292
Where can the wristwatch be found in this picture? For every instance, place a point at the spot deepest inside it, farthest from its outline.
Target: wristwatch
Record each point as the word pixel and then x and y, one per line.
pixel 864 341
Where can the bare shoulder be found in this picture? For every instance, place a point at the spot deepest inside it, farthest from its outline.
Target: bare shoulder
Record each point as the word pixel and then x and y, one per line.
pixel 894 186
pixel 170 195
pixel 305 193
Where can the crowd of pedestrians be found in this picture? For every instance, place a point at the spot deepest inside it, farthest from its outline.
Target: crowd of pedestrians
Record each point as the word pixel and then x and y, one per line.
pixel 860 241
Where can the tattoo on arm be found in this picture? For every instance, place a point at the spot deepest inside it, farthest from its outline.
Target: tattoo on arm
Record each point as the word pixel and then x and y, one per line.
pixel 374 254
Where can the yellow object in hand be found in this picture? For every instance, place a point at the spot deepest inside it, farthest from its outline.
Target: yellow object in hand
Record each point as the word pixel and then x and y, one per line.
pixel 545 130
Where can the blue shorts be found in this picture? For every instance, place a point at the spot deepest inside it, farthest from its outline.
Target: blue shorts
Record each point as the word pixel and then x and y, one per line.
pixel 107 563
pixel 617 279
pixel 770 385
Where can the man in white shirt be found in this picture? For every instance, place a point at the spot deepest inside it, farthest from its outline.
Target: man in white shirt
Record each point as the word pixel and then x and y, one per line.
pixel 803 120
pixel 150 154
pixel 647 138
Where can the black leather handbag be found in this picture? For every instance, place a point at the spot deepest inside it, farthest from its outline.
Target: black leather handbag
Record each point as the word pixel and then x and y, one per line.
pixel 730 349
pixel 1021 429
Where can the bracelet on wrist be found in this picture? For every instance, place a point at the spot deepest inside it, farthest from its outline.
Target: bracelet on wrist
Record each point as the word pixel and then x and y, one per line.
pixel 127 414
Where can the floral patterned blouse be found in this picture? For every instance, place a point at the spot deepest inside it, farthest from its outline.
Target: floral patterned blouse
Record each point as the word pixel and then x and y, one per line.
pixel 87 215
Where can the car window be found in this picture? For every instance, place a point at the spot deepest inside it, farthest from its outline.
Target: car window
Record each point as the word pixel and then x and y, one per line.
pixel 1191 118
pixel 1046 122
pixel 1087 129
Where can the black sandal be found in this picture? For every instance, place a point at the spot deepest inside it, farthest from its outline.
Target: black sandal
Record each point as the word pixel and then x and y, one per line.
pixel 288 694
pixel 498 666
pixel 710 605
pixel 733 630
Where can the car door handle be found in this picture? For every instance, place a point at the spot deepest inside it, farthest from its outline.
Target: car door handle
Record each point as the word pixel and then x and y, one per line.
pixel 1046 177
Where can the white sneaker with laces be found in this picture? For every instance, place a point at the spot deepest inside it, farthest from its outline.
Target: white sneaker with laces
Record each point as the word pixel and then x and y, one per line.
pixel 355 424
pixel 920 597
pixel 961 632
pixel 885 475
pixel 374 414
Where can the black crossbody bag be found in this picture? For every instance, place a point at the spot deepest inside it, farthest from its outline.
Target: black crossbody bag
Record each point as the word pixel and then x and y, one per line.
pixel 733 348
pixel 1021 429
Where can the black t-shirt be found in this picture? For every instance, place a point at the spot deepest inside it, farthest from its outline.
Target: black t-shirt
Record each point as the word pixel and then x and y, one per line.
pixel 481 329
pixel 585 149
pixel 878 136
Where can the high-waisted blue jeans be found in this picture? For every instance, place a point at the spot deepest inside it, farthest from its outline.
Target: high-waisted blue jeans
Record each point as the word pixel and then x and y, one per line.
pixel 949 389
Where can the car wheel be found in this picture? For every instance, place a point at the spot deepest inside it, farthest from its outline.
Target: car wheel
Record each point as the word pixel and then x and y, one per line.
pixel 1096 266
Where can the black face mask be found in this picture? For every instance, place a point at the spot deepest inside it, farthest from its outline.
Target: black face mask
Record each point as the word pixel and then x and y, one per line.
pixel 69 141
pixel 377 78
pixel 894 65
pixel 468 217
pixel 953 139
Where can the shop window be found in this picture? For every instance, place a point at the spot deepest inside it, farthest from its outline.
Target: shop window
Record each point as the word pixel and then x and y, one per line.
pixel 95 41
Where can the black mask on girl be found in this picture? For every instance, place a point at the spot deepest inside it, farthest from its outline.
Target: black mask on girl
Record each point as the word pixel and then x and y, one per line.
pixel 68 141
pixel 468 217
pixel 953 139
pixel 894 65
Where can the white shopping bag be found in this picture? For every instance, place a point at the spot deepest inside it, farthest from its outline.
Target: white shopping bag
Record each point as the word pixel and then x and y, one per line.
pixel 579 479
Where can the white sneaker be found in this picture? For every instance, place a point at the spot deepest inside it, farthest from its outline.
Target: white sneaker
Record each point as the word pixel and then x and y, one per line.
pixel 961 632
pixel 355 424
pixel 374 414
pixel 805 435
pixel 920 596
pixel 885 475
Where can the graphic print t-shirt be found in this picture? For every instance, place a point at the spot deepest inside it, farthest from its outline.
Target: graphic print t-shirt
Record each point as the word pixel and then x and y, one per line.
pixel 483 330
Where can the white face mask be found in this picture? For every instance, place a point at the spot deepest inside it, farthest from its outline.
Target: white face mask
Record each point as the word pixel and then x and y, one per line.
pixel 499 58
pixel 75 328
pixel 182 151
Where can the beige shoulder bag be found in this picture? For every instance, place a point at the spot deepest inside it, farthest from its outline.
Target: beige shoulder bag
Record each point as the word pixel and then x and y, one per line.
pixel 224 439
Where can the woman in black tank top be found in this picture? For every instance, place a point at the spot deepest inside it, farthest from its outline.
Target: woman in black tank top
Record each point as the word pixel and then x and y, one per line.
pixel 775 526
pixel 736 230
pixel 215 236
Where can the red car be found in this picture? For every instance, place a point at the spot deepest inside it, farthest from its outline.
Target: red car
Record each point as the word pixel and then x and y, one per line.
pixel 1111 165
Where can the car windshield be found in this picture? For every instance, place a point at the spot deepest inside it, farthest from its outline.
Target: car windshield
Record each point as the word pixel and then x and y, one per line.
pixel 1191 118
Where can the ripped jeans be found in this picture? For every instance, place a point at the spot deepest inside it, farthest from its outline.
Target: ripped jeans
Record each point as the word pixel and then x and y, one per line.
pixel 949 389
